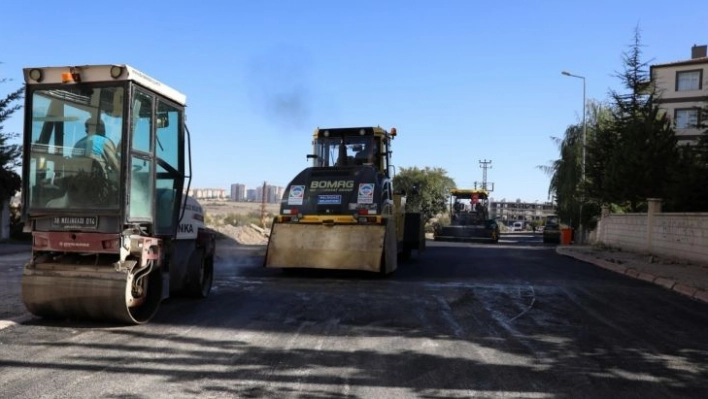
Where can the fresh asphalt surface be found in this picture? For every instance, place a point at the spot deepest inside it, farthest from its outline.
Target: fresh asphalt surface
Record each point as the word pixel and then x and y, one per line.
pixel 460 320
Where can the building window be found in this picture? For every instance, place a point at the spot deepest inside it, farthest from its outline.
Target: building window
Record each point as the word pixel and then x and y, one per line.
pixel 686 118
pixel 689 80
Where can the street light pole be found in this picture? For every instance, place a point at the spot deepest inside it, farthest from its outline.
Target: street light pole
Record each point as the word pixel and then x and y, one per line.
pixel 585 129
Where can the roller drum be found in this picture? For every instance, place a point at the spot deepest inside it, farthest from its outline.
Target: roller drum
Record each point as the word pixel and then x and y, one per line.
pixel 100 294
pixel 319 246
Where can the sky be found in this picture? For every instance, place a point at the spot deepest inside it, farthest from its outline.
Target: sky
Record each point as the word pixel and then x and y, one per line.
pixel 463 81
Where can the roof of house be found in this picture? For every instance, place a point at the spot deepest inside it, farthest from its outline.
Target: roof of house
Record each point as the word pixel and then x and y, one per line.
pixel 693 61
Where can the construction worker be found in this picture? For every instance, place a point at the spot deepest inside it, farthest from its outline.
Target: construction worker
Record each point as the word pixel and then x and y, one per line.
pixel 97 146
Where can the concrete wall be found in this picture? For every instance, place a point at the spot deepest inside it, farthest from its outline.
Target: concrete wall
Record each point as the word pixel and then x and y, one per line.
pixel 681 235
pixel 673 235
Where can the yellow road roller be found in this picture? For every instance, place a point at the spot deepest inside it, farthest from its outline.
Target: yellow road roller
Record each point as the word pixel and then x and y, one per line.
pixel 343 212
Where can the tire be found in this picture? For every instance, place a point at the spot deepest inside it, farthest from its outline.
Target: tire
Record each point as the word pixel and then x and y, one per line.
pixel 406 252
pixel 200 275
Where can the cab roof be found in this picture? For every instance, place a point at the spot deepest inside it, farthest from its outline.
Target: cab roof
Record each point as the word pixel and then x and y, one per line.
pixel 353 131
pixel 99 73
pixel 468 193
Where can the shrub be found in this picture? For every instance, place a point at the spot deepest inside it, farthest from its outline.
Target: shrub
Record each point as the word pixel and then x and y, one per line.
pixel 235 219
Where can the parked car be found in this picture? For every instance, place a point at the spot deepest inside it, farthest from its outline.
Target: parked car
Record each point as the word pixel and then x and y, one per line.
pixel 551 230
pixel 517 226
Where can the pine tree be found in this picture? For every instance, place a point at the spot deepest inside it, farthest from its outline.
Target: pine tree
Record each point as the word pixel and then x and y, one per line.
pixel 643 162
pixel 10 154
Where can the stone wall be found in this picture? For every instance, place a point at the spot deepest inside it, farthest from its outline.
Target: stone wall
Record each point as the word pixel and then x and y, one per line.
pixel 676 235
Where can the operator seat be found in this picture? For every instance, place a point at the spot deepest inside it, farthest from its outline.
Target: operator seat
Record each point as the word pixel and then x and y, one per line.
pixel 82 179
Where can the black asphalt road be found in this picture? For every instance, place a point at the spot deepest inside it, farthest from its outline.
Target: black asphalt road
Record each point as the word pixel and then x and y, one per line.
pixel 512 320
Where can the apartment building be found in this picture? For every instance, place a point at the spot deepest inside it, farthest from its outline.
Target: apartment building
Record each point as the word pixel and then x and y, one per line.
pixel 207 193
pixel 684 90
pixel 273 194
pixel 507 212
pixel 238 192
pixel 251 194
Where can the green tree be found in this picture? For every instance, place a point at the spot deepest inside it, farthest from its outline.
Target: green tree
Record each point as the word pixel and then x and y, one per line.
pixel 10 154
pixel 691 177
pixel 427 189
pixel 644 159
pixel 565 174
pixel 631 153
pixel 600 149
pixel 690 181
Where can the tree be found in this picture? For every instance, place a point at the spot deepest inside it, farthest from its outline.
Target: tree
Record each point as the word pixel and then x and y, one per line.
pixel 10 154
pixel 600 149
pixel 565 174
pixel 691 176
pixel 631 153
pixel 690 181
pixel 427 189
pixel 643 161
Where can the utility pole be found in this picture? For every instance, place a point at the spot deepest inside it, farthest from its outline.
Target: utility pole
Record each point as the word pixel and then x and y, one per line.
pixel 486 164
pixel 264 213
pixel 582 181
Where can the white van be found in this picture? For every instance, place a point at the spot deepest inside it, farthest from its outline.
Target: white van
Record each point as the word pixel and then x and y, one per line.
pixel 517 226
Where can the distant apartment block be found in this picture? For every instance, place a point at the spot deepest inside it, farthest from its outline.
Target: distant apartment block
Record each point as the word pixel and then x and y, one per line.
pixel 516 211
pixel 251 194
pixel 273 194
pixel 684 90
pixel 238 192
pixel 208 193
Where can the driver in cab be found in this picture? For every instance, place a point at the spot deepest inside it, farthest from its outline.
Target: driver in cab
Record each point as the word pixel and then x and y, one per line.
pixel 97 146
pixel 366 154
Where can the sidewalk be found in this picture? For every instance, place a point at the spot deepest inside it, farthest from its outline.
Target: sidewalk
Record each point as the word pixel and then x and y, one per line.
pixel 684 277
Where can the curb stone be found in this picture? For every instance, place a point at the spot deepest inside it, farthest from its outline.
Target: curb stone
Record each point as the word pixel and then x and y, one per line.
pixel 665 282
pixel 646 277
pixel 692 292
pixel 701 295
pixel 632 273
pixel 685 289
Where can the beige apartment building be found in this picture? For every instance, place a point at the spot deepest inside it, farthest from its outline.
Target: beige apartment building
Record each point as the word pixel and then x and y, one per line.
pixel 684 90
pixel 507 212
pixel 207 193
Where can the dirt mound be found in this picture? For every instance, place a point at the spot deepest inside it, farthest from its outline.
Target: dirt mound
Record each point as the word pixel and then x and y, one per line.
pixel 244 235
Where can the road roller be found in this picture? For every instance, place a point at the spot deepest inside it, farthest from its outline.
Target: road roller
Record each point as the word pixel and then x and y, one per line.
pixel 106 171
pixel 343 213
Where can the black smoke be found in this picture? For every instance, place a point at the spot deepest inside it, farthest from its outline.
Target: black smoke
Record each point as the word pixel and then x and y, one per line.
pixel 280 87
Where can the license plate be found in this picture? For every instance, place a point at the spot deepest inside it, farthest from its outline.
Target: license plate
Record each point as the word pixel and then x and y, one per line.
pixel 75 222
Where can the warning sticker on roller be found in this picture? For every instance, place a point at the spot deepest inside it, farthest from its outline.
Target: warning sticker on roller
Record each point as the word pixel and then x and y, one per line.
pixel 366 193
pixel 296 194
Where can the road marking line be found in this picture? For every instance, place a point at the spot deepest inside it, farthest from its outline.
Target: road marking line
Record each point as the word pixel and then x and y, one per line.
pixel 533 301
